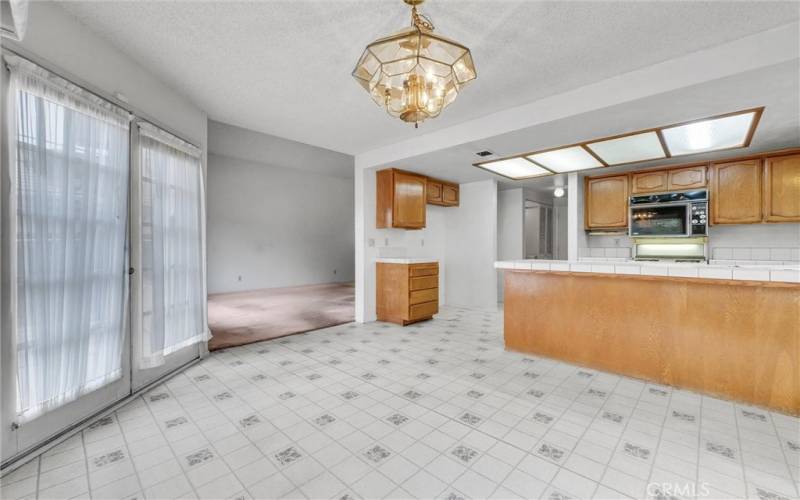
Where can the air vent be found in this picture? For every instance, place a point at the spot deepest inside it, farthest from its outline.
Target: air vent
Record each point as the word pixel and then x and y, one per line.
pixel 484 153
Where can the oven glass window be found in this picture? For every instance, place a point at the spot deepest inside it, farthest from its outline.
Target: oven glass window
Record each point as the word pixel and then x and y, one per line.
pixel 659 221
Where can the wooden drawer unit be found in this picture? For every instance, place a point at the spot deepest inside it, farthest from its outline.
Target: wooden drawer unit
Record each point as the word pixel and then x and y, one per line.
pixel 424 282
pixel 427 295
pixel 423 311
pixel 407 293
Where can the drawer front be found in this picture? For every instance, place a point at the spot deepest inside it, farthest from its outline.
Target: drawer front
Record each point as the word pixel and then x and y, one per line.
pixel 420 296
pixel 423 310
pixel 423 282
pixel 424 270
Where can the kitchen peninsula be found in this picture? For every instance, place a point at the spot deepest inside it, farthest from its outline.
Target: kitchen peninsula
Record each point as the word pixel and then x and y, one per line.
pixel 725 330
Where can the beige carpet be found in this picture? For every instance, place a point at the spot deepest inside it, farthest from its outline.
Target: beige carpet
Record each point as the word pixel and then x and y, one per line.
pixel 245 317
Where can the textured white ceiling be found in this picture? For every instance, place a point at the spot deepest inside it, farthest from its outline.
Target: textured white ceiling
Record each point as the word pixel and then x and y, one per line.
pixel 283 67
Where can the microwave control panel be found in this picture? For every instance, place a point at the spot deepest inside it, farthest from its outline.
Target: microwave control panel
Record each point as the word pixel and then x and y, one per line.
pixel 699 218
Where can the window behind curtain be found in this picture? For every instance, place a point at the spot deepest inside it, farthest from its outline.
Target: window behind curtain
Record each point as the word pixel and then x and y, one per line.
pixel 70 169
pixel 173 298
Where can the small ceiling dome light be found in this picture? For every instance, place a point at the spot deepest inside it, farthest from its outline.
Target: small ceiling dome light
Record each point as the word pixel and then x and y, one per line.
pixel 414 74
pixel 558 192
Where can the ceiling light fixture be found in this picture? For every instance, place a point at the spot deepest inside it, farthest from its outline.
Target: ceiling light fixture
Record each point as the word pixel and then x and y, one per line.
pixel 414 74
pixel 733 130
pixel 566 159
pixel 515 168
pixel 629 148
pixel 728 131
pixel 558 192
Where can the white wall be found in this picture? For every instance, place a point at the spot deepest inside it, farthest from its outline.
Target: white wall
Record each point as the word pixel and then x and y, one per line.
pixel 274 227
pixel 472 247
pixel 510 221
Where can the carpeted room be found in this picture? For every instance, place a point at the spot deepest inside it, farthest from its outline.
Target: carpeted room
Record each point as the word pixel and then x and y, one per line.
pixel 280 237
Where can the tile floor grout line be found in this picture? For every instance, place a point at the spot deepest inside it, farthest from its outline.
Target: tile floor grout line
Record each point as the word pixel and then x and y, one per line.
pixel 128 449
pixel 794 481
pixel 699 442
pixel 658 442
pixel 38 473
pixel 86 464
pixel 167 441
pixel 621 435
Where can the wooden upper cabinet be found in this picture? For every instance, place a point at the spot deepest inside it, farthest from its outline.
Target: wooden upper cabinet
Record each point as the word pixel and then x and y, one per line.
pixel 606 202
pixel 649 182
pixel 661 181
pixel 442 193
pixel 782 189
pixel 735 192
pixel 687 178
pixel 450 195
pixel 434 192
pixel 401 198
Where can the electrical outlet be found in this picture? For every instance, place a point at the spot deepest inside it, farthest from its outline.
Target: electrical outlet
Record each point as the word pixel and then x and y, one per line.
pixel 240 278
pixel 616 242
pixel 422 242
pixel 386 242
pixel 371 242
pixel 334 271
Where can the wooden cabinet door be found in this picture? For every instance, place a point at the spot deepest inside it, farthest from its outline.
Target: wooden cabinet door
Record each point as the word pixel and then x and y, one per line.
pixel 735 192
pixel 450 195
pixel 649 182
pixel 782 189
pixel 409 200
pixel 435 192
pixel 606 202
pixel 687 178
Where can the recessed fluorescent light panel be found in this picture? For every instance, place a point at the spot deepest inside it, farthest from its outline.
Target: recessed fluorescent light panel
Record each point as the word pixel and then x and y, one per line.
pixel 731 130
pixel 629 149
pixel 515 168
pixel 708 135
pixel 565 159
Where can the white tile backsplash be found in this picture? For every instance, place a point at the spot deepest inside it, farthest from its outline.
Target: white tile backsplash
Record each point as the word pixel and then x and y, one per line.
pixel 760 254
pixel 751 274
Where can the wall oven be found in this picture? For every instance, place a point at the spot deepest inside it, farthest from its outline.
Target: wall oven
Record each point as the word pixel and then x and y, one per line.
pixel 669 215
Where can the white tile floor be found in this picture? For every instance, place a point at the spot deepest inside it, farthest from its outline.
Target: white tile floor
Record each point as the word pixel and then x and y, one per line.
pixel 436 410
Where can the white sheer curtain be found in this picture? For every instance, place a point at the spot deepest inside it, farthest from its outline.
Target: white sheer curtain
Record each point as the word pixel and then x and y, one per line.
pixel 173 300
pixel 69 169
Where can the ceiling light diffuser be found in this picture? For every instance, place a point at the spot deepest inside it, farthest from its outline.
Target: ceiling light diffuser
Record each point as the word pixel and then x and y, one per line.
pixel 730 131
pixel 515 168
pixel 628 149
pixel 566 159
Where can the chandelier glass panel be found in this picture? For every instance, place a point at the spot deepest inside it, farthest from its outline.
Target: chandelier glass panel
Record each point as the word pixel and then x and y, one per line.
pixel 414 74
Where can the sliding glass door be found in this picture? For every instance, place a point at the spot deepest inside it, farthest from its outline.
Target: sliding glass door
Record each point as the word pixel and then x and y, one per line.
pixel 66 285
pixel 103 265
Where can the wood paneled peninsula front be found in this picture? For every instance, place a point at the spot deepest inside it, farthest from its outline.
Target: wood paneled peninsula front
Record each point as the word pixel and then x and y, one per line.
pixel 734 334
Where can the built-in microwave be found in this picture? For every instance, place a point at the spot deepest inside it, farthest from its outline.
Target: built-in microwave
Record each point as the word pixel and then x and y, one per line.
pixel 669 215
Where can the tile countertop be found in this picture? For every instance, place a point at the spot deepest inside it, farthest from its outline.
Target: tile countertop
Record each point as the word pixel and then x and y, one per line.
pixel 392 260
pixel 729 271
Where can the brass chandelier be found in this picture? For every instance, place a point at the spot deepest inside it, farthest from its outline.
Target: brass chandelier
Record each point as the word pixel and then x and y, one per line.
pixel 414 74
